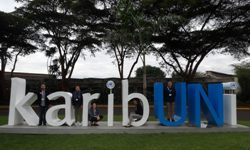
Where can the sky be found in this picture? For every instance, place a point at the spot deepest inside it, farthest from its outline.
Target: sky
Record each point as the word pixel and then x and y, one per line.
pixel 102 66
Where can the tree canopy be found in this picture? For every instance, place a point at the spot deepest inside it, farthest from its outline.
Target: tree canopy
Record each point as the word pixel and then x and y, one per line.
pixel 191 29
pixel 16 38
pixel 66 31
pixel 152 71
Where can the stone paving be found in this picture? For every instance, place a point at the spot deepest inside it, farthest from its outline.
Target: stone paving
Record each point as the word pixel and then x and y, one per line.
pixel 150 127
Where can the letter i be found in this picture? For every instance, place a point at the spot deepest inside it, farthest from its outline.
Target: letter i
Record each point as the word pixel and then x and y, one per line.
pixel 110 109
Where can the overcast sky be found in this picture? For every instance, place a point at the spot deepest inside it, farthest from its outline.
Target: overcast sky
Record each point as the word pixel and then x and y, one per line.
pixel 101 65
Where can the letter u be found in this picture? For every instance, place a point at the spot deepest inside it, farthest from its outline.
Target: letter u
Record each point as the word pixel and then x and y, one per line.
pixel 180 104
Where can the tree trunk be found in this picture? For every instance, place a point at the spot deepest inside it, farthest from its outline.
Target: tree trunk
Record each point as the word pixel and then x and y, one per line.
pixel 14 66
pixel 2 79
pixel 144 76
pixel 64 85
pixel 188 78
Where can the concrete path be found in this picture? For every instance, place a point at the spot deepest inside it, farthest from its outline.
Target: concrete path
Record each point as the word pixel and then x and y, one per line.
pixel 150 127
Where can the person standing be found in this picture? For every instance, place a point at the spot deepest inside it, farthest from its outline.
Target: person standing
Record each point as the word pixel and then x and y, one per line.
pixel 170 94
pixel 43 103
pixel 77 101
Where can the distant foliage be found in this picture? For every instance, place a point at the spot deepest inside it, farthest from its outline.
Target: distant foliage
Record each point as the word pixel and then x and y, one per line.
pixel 243 75
pixel 151 71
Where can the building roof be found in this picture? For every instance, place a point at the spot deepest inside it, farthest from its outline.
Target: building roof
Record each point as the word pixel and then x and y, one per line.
pixel 37 76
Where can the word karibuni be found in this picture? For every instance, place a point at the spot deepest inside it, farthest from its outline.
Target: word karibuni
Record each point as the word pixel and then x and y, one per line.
pixel 190 100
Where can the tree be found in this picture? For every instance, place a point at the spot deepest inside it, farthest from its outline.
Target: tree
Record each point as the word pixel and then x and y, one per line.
pixel 66 32
pixel 151 72
pixel 190 30
pixel 16 36
pixel 121 37
pixel 243 74
pixel 120 47
pixel 133 30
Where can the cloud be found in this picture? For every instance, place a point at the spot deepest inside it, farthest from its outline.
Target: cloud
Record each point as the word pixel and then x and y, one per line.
pixel 8 5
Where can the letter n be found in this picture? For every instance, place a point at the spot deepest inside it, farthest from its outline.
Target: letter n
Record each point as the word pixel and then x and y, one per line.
pixel 212 105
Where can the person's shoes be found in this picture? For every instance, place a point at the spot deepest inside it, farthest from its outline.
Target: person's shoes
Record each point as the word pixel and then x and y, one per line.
pixel 128 126
pixel 169 119
pixel 95 124
pixel 173 120
pixel 39 124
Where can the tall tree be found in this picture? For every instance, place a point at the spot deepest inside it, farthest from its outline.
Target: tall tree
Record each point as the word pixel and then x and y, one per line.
pixel 191 29
pixel 66 32
pixel 133 30
pixel 120 47
pixel 16 36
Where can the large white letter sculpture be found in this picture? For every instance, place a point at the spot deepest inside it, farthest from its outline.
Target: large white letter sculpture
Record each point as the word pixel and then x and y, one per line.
pixel 52 113
pixel 87 98
pixel 126 98
pixel 20 104
pixel 110 110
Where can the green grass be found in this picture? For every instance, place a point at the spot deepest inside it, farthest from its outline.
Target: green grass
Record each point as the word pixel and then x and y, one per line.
pixel 169 141
pixel 246 123
pixel 174 141
pixel 3 120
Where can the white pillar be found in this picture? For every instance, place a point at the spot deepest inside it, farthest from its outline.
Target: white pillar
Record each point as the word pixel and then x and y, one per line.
pixel 110 110
pixel 230 109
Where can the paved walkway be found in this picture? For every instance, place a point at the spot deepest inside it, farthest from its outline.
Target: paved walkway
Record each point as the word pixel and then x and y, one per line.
pixel 150 127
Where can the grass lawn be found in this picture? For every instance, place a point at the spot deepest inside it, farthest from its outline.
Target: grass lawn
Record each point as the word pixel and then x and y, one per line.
pixel 246 123
pixel 3 120
pixel 173 141
pixel 169 141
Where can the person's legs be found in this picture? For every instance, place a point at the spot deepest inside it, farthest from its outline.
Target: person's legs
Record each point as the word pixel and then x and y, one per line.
pixel 42 119
pixel 137 116
pixel 100 118
pixel 172 111
pixel 169 107
pixel 93 120
pixel 40 116
pixel 44 116
pixel 133 116
pixel 77 114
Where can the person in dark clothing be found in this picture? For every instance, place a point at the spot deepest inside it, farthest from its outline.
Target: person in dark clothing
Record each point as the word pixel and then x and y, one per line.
pixel 77 101
pixel 94 115
pixel 169 94
pixel 43 103
pixel 137 114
